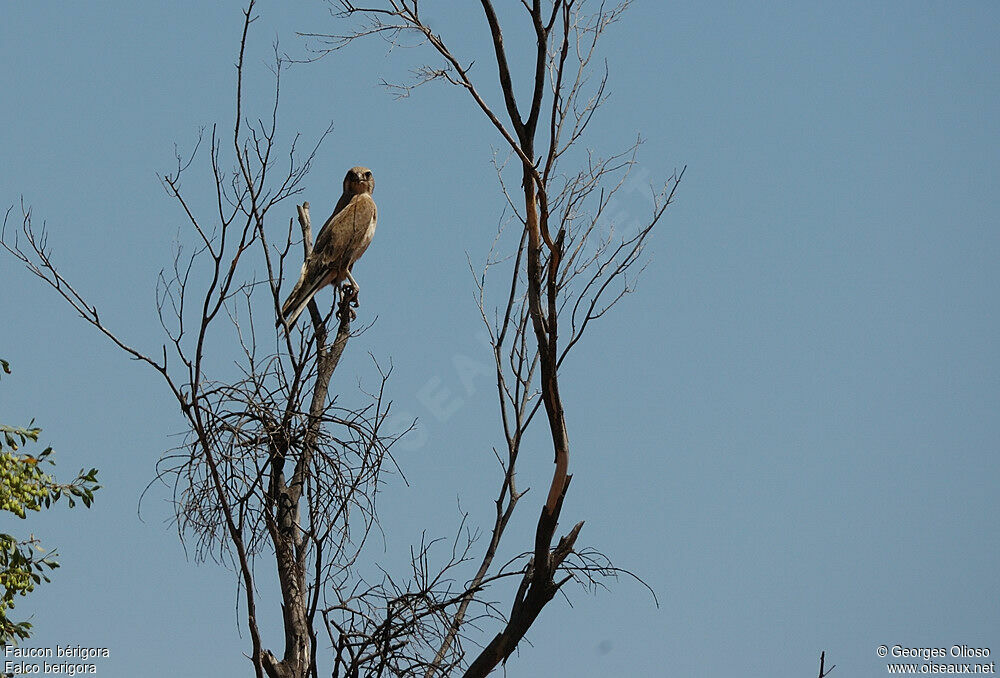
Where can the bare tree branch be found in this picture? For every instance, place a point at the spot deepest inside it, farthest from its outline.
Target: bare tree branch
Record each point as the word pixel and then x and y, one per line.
pixel 567 263
pixel 277 469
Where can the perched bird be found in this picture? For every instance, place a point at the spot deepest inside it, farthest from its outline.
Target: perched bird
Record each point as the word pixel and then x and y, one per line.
pixel 343 239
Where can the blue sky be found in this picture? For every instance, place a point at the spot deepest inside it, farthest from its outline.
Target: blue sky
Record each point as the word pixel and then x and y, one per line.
pixel 790 431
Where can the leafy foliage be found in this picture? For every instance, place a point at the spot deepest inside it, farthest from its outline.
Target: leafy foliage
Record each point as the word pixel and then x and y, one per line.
pixel 25 486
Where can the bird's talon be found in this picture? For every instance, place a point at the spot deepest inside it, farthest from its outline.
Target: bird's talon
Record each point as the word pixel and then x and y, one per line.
pixel 350 294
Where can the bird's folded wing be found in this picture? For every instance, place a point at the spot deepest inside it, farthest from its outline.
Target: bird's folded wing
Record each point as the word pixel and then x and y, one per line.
pixel 344 233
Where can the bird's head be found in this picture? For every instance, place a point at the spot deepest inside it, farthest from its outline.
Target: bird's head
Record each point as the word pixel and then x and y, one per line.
pixel 359 180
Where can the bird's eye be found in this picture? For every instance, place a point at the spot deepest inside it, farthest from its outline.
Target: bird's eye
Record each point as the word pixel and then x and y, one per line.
pixel 368 175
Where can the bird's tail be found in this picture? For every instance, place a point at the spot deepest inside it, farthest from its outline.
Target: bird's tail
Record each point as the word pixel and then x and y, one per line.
pixel 300 297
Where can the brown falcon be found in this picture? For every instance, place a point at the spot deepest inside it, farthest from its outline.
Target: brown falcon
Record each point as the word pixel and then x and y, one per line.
pixel 343 239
